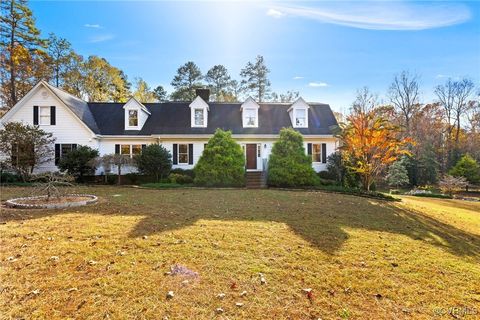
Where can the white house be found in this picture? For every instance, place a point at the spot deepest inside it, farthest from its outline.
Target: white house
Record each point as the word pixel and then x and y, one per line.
pixel 182 127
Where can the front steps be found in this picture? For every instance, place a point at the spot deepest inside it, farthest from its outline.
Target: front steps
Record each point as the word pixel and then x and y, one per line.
pixel 255 179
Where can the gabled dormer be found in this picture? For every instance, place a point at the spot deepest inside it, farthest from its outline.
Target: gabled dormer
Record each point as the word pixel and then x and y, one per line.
pixel 199 113
pixel 299 113
pixel 136 114
pixel 249 111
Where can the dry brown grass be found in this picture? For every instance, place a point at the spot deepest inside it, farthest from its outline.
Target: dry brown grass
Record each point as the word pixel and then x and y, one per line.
pixel 363 259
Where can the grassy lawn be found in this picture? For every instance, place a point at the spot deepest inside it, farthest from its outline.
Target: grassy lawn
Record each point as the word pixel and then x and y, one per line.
pixel 362 258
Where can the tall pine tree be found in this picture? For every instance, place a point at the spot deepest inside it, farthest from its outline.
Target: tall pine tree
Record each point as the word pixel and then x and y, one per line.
pixel 255 79
pixel 23 60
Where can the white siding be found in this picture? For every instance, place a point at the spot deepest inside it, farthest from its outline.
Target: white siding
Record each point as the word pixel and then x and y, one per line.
pixel 68 128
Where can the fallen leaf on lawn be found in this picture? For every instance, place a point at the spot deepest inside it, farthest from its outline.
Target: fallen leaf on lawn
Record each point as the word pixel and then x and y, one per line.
pixel 233 285
pixel 244 293
pixel 72 289
pixel 219 310
pixel 378 296
pixel 239 304
pixel 54 258
pixel 221 295
pixel 92 262
pixel 170 295
pixel 34 292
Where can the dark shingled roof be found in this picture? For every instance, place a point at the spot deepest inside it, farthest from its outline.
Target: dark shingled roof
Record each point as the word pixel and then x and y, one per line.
pixel 174 118
pixel 77 106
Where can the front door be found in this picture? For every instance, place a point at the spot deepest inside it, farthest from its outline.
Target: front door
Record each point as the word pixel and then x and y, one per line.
pixel 251 156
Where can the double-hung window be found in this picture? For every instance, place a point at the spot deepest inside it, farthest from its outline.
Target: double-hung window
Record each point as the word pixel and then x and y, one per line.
pixel 199 117
pixel 183 153
pixel 62 149
pixel 300 117
pixel 316 152
pixel 44 115
pixel 133 118
pixel 130 149
pixel 250 115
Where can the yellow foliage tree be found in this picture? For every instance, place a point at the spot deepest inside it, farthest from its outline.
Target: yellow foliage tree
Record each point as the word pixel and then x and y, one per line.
pixel 371 143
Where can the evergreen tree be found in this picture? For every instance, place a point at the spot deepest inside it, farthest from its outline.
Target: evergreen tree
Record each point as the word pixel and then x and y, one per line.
pixel 468 168
pixel 222 163
pixel 154 160
pixel 188 78
pixel 60 52
pixel 23 59
pixel 79 161
pixel 219 82
pixel 397 174
pixel 21 48
pixel 255 79
pixel 289 165
pixel 160 93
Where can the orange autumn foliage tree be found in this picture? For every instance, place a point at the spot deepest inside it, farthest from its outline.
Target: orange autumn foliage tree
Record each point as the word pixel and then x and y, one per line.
pixel 370 143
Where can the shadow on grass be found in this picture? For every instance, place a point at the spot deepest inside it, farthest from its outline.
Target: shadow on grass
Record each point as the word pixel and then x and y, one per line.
pixel 317 217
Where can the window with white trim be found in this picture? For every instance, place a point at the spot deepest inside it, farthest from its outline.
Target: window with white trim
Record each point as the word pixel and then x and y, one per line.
pixel 183 153
pixel 301 117
pixel 250 117
pixel 44 115
pixel 130 149
pixel 316 152
pixel 199 117
pixel 133 118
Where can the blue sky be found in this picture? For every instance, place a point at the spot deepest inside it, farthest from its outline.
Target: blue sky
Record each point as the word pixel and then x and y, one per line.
pixel 324 50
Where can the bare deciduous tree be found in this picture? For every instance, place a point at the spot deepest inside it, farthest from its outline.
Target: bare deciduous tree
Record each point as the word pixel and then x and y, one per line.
pixel 404 95
pixel 365 101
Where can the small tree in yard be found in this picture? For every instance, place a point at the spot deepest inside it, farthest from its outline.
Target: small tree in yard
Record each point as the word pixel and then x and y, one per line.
pixel 289 165
pixel 468 168
pixel 370 143
pixel 397 174
pixel 222 162
pixel 118 160
pixel 79 162
pixel 450 184
pixel 154 160
pixel 25 147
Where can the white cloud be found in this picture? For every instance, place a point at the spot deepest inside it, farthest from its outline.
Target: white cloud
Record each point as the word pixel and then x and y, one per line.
pixel 275 13
pixel 382 15
pixel 101 38
pixel 297 78
pixel 441 76
pixel 318 84
pixel 94 26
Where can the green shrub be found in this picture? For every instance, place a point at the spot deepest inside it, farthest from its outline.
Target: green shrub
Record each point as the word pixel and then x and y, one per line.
pixel 186 172
pixel 180 178
pixel 7 177
pixel 327 175
pixel 132 177
pixel 222 163
pixel 154 160
pixel 327 182
pixel 289 165
pixel 79 162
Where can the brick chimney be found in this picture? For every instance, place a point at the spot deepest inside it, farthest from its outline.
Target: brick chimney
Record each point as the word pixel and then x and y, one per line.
pixel 204 93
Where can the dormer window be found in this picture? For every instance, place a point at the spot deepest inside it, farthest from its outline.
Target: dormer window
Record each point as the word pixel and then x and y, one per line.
pixel 299 113
pixel 199 115
pixel 250 113
pixel 300 117
pixel 133 118
pixel 250 117
pixel 136 114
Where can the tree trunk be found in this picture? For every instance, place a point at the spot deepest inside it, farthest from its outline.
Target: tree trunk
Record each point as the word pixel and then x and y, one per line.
pixel 119 180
